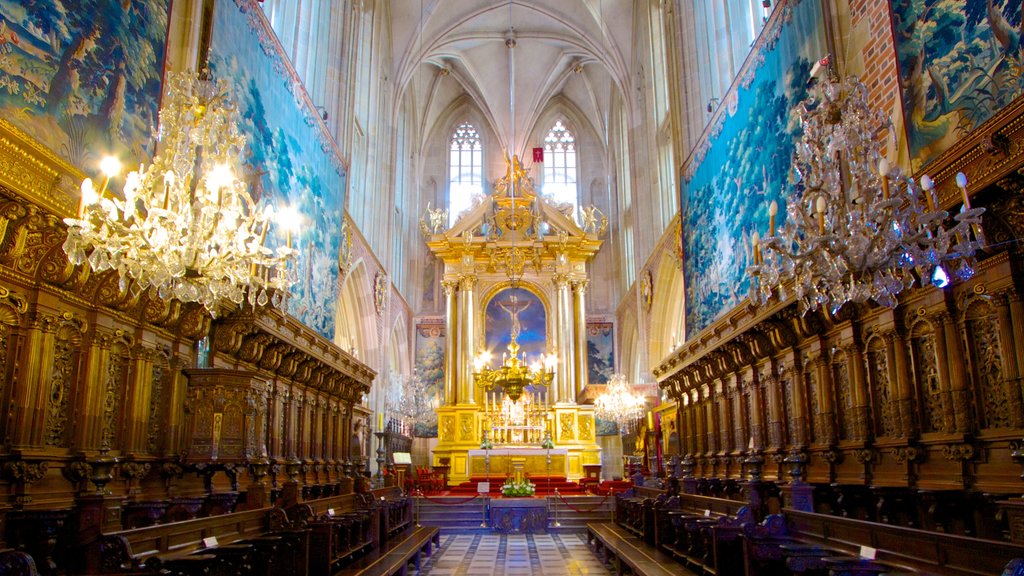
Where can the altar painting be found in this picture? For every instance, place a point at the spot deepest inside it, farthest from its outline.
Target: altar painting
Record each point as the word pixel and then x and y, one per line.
pixel 743 160
pixel 521 306
pixel 959 62
pixel 84 77
pixel 290 158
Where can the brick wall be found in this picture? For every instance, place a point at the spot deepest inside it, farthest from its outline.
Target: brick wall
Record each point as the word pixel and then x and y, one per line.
pixel 872 56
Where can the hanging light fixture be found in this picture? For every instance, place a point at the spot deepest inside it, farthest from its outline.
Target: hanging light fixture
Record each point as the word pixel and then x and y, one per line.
pixel 619 403
pixel 185 224
pixel 857 228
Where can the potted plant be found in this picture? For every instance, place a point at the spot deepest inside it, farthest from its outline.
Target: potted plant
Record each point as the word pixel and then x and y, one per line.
pixel 517 488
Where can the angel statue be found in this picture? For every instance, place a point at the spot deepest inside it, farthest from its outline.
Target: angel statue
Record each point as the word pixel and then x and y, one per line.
pixel 438 219
pixel 593 220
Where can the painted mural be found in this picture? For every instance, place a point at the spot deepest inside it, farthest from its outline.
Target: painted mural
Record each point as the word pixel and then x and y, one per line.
pixel 430 343
pixel 743 161
pixel 83 77
pixel 960 62
pixel 290 158
pixel 600 352
pixel 514 306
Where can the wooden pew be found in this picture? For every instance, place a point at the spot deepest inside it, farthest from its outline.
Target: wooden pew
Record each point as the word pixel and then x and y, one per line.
pixel 627 552
pixel 407 546
pixel 805 542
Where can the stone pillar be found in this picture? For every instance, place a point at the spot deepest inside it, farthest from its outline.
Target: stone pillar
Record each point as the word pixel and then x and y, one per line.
pixel 468 346
pixel 580 335
pixel 565 375
pixel 450 326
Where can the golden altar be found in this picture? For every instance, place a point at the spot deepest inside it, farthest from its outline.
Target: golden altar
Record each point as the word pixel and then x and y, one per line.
pixel 502 462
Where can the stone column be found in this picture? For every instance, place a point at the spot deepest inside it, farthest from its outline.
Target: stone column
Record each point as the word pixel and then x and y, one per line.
pixel 580 334
pixel 450 319
pixel 565 375
pixel 468 344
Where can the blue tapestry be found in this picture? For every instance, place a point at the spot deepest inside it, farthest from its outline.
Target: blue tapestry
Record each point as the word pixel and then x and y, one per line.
pixel 83 77
pixel 742 161
pixel 290 158
pixel 959 64
pixel 600 352
pixel 430 343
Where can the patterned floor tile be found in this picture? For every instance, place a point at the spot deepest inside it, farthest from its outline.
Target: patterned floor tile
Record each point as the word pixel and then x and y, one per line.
pixel 514 555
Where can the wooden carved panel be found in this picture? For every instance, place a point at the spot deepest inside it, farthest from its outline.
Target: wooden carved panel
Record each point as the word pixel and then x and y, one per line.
pixel 790 409
pixel 844 397
pixel 986 353
pixel 63 372
pixel 881 390
pixel 924 365
pixel 811 381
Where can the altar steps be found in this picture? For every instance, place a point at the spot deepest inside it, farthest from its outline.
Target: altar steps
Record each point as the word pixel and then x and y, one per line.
pixel 457 514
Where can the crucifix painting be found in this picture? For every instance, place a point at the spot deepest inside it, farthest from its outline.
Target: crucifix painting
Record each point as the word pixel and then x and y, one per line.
pixel 515 311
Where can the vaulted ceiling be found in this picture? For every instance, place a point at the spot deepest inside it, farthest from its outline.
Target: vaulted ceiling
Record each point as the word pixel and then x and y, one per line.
pixel 577 52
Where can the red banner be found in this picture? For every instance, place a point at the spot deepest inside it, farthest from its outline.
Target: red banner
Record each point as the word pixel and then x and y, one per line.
pixel 538 155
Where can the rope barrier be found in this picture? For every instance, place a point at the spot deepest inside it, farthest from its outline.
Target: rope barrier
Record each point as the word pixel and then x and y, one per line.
pixel 575 509
pixel 443 503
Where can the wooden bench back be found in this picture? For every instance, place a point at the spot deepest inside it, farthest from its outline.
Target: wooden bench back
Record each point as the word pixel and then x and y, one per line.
pixel 930 552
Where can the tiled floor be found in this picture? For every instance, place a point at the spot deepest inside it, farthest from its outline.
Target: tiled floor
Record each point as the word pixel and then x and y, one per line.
pixel 513 555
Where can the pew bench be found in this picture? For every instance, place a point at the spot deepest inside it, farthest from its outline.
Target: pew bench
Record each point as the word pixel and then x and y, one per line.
pixel 626 552
pixel 394 558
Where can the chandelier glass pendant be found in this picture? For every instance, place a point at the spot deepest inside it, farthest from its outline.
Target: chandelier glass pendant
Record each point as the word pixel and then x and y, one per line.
pixel 619 403
pixel 185 224
pixel 857 228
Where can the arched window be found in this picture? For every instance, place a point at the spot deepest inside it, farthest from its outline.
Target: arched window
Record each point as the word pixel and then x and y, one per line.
pixel 465 170
pixel 560 166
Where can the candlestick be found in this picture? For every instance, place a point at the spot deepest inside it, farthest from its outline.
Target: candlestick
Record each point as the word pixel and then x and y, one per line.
pixel 961 183
pixel 883 172
pixel 821 204
pixel 773 209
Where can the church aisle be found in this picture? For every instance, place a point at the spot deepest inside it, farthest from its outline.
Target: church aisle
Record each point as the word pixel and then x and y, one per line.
pixel 513 555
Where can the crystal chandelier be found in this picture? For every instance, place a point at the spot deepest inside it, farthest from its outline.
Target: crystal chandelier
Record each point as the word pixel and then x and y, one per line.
pixel 619 403
pixel 857 228
pixel 186 224
pixel 514 375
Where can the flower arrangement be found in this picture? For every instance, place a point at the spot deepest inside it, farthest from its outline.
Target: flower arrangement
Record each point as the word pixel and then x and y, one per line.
pixel 486 444
pixel 517 488
pixel 547 443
